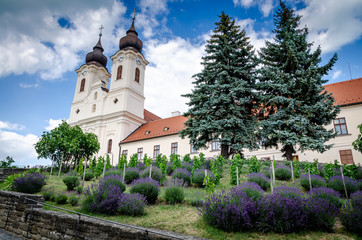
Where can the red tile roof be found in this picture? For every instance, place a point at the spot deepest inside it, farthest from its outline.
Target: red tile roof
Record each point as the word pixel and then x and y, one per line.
pixel 346 92
pixel 157 129
pixel 149 117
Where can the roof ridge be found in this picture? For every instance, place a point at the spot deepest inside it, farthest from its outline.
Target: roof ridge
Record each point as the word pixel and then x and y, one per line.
pixel 341 82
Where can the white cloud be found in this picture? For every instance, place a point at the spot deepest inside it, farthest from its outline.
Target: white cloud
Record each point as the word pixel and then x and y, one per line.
pixel 53 123
pixel 170 74
pixel 332 23
pixel 265 6
pixel 336 74
pixel 26 85
pixel 11 126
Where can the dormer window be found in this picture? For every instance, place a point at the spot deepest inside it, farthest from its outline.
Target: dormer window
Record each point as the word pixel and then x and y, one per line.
pixel 137 75
pixel 166 128
pixel 147 132
pixel 82 85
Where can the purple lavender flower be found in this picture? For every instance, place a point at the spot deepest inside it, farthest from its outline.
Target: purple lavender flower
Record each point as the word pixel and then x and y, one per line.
pixel 260 179
pixel 30 182
pixel 251 189
pixel 199 175
pixel 147 187
pixel 290 192
pixel 182 173
pixel 326 193
pixel 336 183
pixel 132 204
pixel 316 181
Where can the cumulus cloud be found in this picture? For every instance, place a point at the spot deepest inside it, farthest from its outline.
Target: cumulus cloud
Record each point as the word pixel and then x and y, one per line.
pixel 53 123
pixel 170 74
pixel 332 23
pixel 34 41
pixel 11 126
pixel 265 6
pixel 336 74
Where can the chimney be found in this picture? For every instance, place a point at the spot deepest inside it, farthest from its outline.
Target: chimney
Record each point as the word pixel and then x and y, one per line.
pixel 176 113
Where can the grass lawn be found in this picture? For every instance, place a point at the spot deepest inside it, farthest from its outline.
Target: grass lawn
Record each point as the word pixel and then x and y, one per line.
pixel 184 218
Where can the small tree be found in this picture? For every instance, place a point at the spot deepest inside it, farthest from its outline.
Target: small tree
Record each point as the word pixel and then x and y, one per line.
pixel 6 163
pixel 357 144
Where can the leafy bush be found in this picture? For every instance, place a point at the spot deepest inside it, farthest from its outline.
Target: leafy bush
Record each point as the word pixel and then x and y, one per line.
pixel 79 189
pixel 169 168
pixel 283 172
pixel 7 185
pixel 252 190
pixel 351 213
pixel 131 174
pixel 260 179
pixel 71 182
pixel 312 167
pixel 329 170
pixel 174 195
pixel 73 200
pixel 61 199
pixel 296 169
pixel 147 187
pixel 133 161
pixel 327 193
pixel 254 165
pixel 199 175
pixel 195 164
pixel 236 162
pixel 182 173
pixel 48 194
pixel 350 171
pixel 88 175
pixel 186 165
pixel 30 182
pixel 113 171
pixel 132 204
pixel 336 183
pixel 187 159
pixel 114 180
pixel 156 173
pixel 316 180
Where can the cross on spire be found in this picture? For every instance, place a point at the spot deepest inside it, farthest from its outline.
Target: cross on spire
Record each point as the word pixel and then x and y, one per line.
pixel 101 28
pixel 134 14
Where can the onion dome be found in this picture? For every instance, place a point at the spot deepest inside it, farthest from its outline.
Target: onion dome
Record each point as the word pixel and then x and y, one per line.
pixel 131 40
pixel 96 56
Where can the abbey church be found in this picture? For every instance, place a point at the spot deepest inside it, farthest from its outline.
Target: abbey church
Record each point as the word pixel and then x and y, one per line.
pixel 111 105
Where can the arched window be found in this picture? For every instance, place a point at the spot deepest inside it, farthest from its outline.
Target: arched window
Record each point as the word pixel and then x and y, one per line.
pixel 109 150
pixel 82 84
pixel 94 108
pixel 95 95
pixel 137 75
pixel 119 72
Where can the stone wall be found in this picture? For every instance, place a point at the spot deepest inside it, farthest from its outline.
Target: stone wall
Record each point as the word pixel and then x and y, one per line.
pixel 29 221
pixel 5 172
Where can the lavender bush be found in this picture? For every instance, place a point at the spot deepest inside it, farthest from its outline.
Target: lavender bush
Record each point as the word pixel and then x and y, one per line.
pixel 321 213
pixel 169 168
pixel 326 193
pixel 316 180
pixel 174 194
pixel 132 204
pixel 336 183
pixel 351 214
pixel 155 175
pixel 30 182
pixel 115 180
pixel 260 179
pixel 147 187
pixel 131 174
pixel 186 165
pixel 113 171
pixel 141 166
pixel 283 172
pixel 199 175
pixel 290 192
pixel 251 189
pixel 182 173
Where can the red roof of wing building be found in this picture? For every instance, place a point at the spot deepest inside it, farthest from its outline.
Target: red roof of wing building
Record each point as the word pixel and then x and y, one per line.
pixel 346 92
pixel 149 117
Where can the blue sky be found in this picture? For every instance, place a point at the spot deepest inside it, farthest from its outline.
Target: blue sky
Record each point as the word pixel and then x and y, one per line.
pixel 42 43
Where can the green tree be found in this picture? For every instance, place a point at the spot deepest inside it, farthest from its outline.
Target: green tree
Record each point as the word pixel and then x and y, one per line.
pixel 222 101
pixel 357 144
pixel 6 163
pixel 296 108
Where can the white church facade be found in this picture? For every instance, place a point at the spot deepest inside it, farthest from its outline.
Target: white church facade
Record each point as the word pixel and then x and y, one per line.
pixel 117 115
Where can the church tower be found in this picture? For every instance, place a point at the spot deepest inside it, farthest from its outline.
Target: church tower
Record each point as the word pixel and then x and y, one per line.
pixel 115 112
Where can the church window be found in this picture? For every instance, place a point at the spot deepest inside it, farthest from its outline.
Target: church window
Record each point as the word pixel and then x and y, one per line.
pixel 139 153
pixel 346 156
pixel 125 152
pixel 95 96
pixel 192 149
pixel 215 145
pixel 94 108
pixel 174 147
pixel 82 85
pixel 137 75
pixel 156 151
pixel 119 72
pixel 109 150
pixel 340 126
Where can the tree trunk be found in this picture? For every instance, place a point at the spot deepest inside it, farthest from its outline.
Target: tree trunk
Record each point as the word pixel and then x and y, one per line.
pixel 288 152
pixel 225 151
pixel 85 167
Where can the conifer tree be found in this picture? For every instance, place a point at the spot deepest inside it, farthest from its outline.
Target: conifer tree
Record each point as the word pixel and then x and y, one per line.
pixel 222 101
pixel 296 107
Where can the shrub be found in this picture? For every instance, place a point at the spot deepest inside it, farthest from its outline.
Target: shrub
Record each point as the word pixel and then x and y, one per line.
pixel 290 192
pixel 113 171
pixel 114 180
pixel 61 199
pixel 169 168
pixel 7 185
pixel 131 174
pixel 132 204
pixel 230 211
pixel 283 172
pixel 79 189
pixel 321 213
pixel 252 190
pixel 316 180
pixel 187 159
pixel 260 179
pixel 326 193
pixel 30 182
pixel 141 166
pixel 88 175
pixel 279 212
pixel 147 187
pixel 182 173
pixel 186 165
pixel 199 175
pixel 71 182
pixel 155 175
pixel 336 183
pixel 351 214
pixel 254 165
pixel 48 194
pixel 73 200
pixel 174 195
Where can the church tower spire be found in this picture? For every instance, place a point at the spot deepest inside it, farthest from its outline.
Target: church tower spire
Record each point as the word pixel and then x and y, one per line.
pixel 96 56
pixel 131 40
